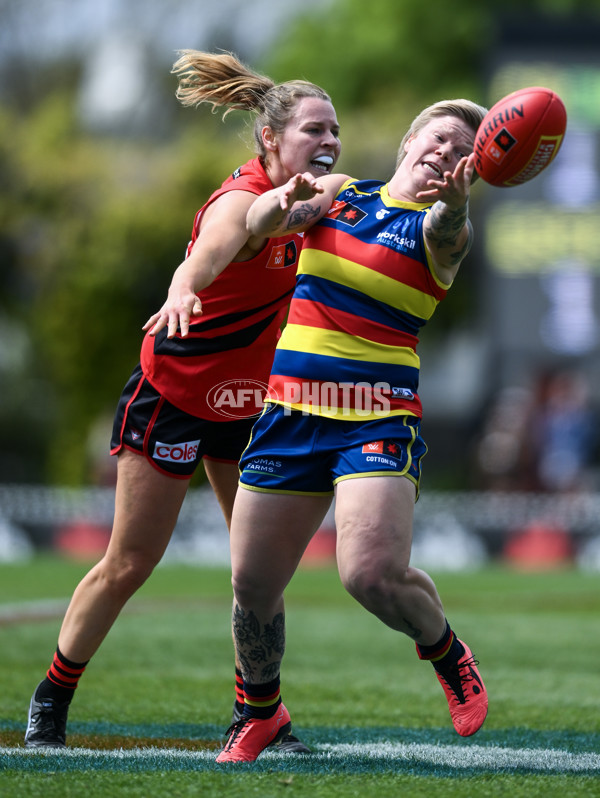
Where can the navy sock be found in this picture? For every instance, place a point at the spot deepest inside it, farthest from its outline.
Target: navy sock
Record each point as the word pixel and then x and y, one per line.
pixel 448 649
pixel 444 657
pixel 261 700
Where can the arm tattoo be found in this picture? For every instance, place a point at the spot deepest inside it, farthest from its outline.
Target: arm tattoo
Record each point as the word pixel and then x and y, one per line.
pixel 445 225
pixel 459 254
pixel 302 215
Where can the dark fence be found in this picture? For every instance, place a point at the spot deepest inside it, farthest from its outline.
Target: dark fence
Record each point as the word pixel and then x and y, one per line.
pixel 491 523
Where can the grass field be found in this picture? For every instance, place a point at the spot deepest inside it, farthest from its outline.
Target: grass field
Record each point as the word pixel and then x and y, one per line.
pixel 152 708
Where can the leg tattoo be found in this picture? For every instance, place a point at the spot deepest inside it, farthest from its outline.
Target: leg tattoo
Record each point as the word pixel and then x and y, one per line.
pixel 412 630
pixel 259 648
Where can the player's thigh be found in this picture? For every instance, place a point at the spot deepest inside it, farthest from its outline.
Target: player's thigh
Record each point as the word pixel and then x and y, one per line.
pixel 147 505
pixel 223 478
pixel 373 519
pixel 269 534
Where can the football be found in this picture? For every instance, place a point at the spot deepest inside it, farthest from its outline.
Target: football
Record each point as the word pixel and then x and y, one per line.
pixel 520 136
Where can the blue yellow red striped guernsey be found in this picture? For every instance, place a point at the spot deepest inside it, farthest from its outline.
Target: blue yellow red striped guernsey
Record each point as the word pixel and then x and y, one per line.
pixel 364 289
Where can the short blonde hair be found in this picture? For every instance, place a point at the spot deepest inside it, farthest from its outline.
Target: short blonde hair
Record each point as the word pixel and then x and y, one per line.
pixel 470 113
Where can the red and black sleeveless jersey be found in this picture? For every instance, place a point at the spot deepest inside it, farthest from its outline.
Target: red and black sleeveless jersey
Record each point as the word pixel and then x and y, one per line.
pixel 243 310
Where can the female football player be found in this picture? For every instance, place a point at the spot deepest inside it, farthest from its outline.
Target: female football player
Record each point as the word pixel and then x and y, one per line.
pixel 219 325
pixel 342 415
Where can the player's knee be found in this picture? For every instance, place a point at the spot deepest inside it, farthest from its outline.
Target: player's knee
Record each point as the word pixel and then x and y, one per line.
pixel 366 585
pixel 375 586
pixel 250 589
pixel 124 577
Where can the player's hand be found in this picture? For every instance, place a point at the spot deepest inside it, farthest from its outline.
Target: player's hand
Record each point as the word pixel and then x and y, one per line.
pixel 454 187
pixel 299 188
pixel 175 314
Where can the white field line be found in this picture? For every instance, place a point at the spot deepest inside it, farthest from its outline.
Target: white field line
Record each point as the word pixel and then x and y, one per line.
pixel 32 610
pixel 491 758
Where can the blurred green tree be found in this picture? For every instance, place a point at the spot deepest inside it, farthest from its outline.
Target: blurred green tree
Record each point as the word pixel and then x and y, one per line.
pixel 92 226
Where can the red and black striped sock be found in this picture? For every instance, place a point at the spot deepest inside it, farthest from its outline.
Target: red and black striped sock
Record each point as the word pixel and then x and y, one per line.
pixel 261 700
pixel 61 679
pixel 239 690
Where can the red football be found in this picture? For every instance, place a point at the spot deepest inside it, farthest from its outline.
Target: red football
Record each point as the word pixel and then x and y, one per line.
pixel 519 136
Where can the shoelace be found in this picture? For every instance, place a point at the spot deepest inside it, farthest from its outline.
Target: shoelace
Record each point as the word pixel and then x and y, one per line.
pixel 45 719
pixel 233 732
pixel 468 675
pixel 463 672
pixel 465 664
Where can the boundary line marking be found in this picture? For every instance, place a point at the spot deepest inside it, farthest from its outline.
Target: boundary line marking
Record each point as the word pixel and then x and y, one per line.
pixel 350 757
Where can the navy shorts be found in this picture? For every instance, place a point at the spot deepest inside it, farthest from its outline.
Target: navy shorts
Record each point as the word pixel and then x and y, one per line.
pixel 174 442
pixel 291 452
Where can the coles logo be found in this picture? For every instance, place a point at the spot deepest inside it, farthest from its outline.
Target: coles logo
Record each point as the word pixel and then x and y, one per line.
pixel 239 398
pixel 176 452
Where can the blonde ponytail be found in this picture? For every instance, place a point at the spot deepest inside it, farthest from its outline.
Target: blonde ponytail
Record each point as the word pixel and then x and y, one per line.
pixel 223 81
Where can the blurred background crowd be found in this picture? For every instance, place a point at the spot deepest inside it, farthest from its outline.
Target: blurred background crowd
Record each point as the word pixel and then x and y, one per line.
pixel 102 172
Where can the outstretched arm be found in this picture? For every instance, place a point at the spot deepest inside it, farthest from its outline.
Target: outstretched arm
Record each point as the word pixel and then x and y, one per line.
pixel 447 229
pixel 293 207
pixel 222 239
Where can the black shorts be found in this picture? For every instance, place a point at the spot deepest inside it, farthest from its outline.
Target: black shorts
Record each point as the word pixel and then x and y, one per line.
pixel 174 442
